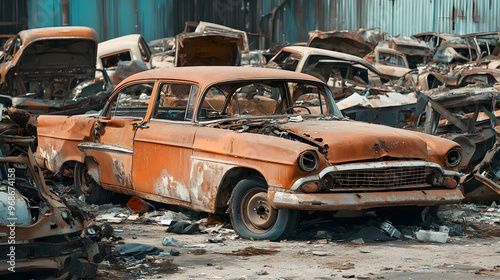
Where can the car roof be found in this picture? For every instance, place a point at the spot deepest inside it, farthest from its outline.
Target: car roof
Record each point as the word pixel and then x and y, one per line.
pixel 339 55
pixel 206 75
pixel 388 50
pixel 59 32
pixel 118 44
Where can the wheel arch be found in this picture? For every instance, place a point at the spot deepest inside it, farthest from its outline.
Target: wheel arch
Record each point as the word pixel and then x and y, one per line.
pixel 229 181
pixel 92 168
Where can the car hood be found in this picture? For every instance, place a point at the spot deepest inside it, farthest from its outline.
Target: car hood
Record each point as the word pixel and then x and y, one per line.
pixel 59 55
pixel 207 49
pixel 341 41
pixel 350 141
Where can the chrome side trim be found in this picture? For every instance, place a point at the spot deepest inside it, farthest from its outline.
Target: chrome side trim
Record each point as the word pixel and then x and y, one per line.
pixel 103 147
pixel 371 165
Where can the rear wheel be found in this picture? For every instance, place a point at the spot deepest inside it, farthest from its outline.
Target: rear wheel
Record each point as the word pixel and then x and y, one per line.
pixel 87 187
pixel 253 216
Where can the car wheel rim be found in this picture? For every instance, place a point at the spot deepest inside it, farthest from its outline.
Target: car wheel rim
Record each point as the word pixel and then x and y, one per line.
pixel 258 215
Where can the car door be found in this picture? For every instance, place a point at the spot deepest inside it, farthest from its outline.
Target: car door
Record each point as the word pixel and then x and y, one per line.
pixel 114 133
pixel 162 152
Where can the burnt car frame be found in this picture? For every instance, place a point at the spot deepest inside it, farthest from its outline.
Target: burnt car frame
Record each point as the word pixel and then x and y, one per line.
pixel 40 68
pixel 40 235
pixel 258 143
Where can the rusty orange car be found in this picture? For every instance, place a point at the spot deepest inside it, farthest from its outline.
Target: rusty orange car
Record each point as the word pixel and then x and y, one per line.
pixel 261 144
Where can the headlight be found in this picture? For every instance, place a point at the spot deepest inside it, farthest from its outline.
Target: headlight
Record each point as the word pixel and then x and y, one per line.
pixel 308 161
pixel 453 157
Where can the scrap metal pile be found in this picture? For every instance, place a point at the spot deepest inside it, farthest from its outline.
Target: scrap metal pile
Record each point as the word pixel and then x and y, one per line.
pixel 445 85
pixel 441 84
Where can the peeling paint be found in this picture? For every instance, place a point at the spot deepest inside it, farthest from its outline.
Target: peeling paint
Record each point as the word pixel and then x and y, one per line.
pixel 53 158
pixel 169 187
pixel 119 172
pixel 206 177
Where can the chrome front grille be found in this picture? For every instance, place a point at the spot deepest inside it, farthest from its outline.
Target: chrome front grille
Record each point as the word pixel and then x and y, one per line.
pixel 379 178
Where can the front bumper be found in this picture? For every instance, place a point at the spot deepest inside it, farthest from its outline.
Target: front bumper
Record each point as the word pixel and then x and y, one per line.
pixel 364 200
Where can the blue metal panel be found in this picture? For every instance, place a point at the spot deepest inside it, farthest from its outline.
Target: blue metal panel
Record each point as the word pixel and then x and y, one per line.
pixel 44 13
pixel 164 18
pixel 155 19
pixel 85 13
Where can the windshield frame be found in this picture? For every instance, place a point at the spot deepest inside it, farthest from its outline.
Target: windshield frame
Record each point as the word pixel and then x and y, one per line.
pixel 334 110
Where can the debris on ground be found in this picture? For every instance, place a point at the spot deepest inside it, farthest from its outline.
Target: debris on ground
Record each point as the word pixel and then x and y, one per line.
pixel 252 251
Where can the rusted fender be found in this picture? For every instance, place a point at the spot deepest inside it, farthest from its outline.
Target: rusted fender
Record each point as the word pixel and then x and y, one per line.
pixel 58 139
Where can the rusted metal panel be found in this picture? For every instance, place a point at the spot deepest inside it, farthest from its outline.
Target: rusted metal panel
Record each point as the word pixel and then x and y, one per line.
pixel 205 178
pixel 58 139
pixel 358 201
pixel 356 142
pixel 162 159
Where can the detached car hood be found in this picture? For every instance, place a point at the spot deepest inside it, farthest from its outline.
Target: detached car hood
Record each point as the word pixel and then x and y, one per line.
pixel 341 41
pixel 354 141
pixel 207 49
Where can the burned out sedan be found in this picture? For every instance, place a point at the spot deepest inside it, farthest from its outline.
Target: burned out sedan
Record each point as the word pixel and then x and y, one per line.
pixel 261 144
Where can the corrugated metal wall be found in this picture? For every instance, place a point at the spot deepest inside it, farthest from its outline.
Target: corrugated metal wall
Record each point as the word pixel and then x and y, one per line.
pixel 290 22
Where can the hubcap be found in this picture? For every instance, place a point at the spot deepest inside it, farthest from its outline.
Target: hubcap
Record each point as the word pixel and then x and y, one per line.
pixel 258 213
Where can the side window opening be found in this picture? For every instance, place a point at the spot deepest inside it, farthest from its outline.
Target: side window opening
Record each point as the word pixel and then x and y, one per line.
pixel 287 61
pixel 112 60
pixel 176 102
pixel 132 101
pixel 308 99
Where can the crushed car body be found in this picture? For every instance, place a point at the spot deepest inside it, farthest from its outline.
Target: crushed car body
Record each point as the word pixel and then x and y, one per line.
pixel 259 143
pixel 41 234
pixel 40 69
pixel 441 75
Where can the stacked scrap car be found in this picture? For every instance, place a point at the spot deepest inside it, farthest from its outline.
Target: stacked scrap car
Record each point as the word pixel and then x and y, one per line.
pixel 41 235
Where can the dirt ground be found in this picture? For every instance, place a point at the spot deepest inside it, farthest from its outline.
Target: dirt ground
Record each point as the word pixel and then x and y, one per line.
pixel 306 256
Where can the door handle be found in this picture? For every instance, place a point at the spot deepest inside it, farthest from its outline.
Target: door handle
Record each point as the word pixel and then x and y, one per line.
pixel 140 125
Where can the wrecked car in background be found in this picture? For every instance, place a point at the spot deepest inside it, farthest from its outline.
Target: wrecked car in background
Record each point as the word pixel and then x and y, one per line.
pixel 129 49
pixel 442 75
pixel 415 51
pixel 42 236
pixel 450 48
pixel 40 68
pixel 260 143
pixel 391 63
pixel 344 73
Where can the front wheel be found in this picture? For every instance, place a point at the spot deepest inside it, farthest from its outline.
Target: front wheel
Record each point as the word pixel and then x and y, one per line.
pixel 253 216
pixel 87 187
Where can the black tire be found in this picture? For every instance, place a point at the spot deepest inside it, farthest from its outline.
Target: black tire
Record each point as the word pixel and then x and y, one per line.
pixel 90 189
pixel 263 222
